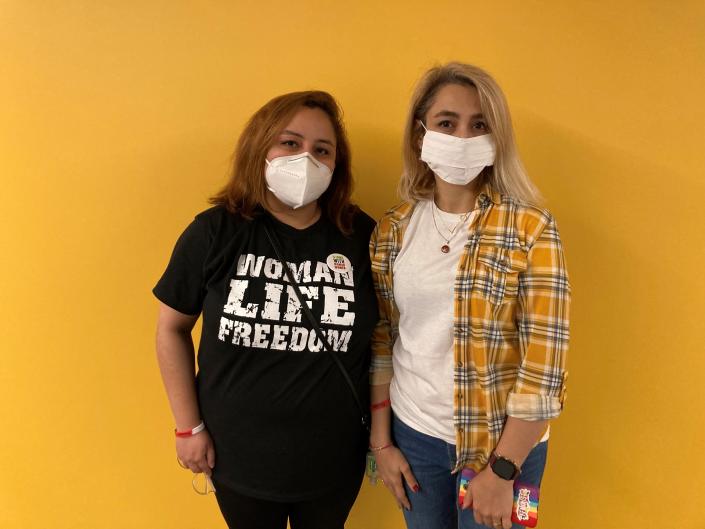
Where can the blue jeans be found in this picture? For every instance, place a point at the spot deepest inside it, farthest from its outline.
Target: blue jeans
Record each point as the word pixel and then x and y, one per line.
pixel 435 506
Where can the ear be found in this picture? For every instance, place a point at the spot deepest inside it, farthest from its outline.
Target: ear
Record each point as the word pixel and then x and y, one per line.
pixel 420 132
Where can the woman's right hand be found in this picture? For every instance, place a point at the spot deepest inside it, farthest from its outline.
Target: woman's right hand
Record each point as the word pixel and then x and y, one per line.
pixel 392 467
pixel 197 452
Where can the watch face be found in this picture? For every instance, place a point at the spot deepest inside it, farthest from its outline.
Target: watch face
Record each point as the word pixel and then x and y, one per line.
pixel 503 468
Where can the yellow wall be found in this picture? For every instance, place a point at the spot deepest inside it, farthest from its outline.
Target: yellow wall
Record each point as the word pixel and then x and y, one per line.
pixel 117 119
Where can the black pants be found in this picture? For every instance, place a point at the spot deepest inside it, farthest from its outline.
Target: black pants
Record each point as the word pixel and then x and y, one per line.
pixel 326 512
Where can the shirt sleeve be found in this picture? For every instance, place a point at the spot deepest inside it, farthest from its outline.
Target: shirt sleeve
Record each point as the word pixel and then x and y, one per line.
pixel 382 339
pixel 182 286
pixel 543 325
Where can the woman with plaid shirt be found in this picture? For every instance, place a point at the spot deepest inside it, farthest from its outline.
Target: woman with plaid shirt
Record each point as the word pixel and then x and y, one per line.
pixel 474 297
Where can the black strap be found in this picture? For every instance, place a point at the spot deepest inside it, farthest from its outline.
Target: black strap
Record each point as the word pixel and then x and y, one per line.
pixel 311 318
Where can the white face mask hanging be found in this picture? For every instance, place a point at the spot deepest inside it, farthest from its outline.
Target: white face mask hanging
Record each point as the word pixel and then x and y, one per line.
pixel 457 160
pixel 298 179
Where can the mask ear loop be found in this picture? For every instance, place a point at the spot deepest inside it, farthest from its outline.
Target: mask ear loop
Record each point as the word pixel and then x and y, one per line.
pixel 207 485
pixel 420 143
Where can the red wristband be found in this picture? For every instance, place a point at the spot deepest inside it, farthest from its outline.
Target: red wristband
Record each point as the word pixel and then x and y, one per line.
pixel 192 431
pixel 380 405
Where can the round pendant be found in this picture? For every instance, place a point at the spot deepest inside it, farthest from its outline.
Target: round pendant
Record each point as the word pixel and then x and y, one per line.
pixel 445 248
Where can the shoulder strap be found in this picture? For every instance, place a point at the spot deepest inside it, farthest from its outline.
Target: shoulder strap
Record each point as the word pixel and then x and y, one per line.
pixel 312 320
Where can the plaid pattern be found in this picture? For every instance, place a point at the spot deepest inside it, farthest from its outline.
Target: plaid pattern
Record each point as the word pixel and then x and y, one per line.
pixel 510 335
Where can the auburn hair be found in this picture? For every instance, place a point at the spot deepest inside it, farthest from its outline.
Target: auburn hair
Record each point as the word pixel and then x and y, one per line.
pixel 245 192
pixel 507 175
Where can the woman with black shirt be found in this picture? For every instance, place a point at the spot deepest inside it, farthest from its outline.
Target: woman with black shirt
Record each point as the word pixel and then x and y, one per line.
pixel 269 417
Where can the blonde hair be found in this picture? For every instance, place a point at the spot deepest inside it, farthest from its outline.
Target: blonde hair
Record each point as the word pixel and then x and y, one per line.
pixel 507 176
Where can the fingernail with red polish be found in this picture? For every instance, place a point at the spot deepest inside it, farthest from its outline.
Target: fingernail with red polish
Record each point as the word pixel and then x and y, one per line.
pixel 416 487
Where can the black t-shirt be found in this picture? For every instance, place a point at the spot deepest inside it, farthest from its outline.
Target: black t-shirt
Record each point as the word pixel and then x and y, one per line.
pixel 284 422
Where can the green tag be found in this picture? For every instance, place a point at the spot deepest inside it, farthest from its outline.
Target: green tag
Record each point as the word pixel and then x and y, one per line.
pixel 371 469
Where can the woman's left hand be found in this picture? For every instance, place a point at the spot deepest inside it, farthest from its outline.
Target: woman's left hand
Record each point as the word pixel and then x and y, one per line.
pixel 490 498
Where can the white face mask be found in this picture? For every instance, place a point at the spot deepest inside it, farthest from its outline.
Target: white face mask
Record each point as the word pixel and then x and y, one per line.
pixel 298 179
pixel 457 160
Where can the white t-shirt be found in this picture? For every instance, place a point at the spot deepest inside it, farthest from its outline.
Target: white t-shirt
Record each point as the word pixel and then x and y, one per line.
pixel 421 390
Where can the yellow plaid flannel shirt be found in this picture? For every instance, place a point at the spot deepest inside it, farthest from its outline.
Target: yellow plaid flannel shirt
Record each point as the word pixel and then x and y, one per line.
pixel 511 314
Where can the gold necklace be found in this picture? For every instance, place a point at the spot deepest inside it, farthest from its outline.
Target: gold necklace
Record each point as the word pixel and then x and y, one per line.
pixel 446 247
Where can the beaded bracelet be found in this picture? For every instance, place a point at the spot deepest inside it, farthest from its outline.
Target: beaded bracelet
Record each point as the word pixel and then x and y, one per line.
pixel 380 448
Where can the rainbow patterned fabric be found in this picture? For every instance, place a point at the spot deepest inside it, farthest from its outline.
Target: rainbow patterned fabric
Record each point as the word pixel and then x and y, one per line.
pixel 525 510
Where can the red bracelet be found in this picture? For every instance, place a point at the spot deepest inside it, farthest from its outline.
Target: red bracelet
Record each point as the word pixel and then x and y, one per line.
pixel 380 448
pixel 380 405
pixel 192 431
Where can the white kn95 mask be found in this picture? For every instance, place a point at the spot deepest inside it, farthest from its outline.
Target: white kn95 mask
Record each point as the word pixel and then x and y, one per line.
pixel 298 179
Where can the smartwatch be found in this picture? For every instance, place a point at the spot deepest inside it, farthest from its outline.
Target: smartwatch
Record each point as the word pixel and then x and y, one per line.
pixel 503 467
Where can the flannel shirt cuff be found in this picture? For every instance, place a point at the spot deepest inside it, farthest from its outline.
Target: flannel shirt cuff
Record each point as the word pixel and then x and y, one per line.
pixel 533 407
